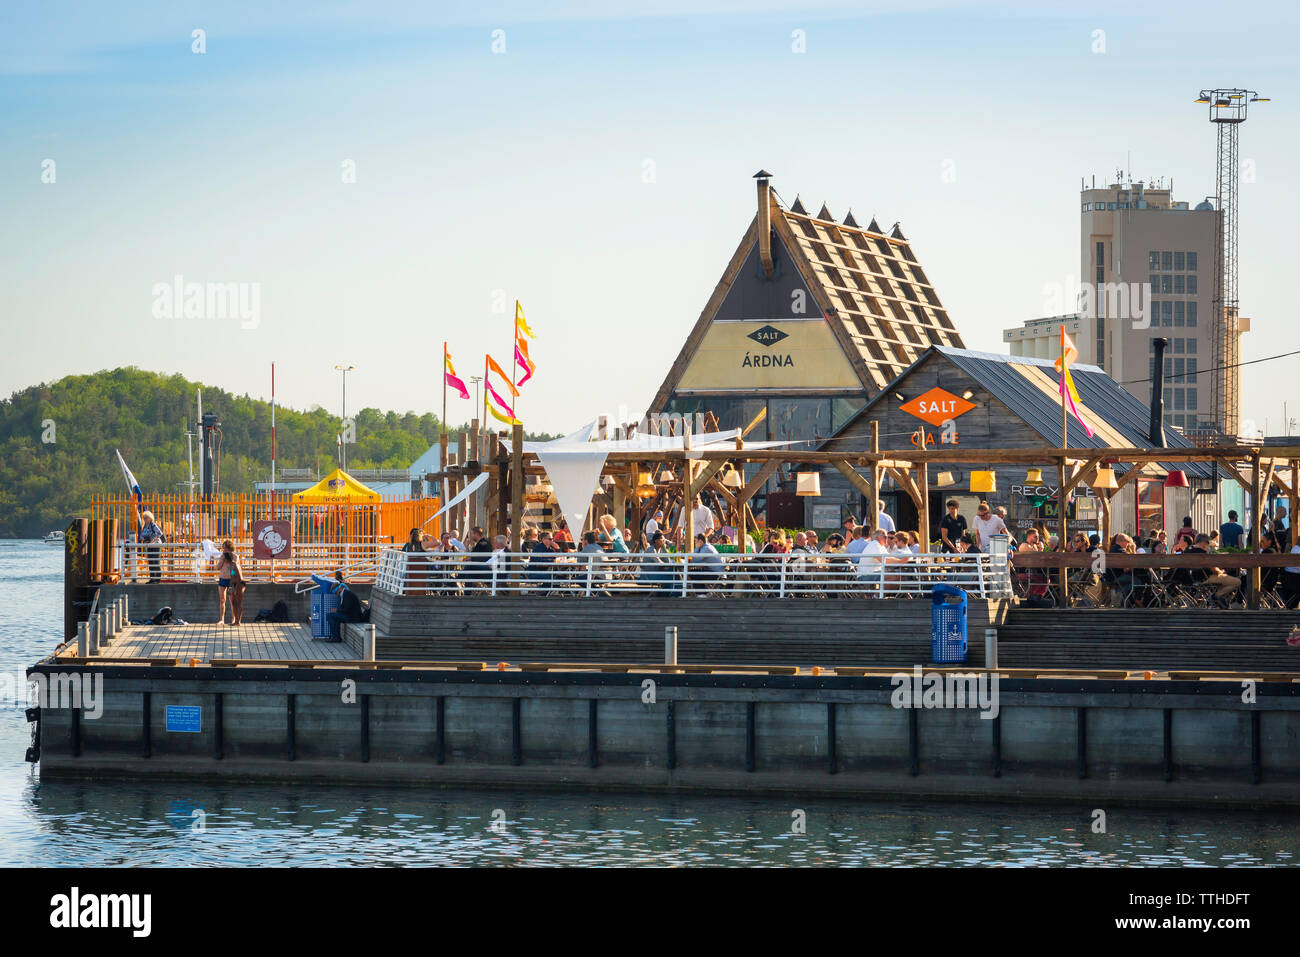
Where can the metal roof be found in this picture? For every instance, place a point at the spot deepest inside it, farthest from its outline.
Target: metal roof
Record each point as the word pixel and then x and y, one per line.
pixel 1101 395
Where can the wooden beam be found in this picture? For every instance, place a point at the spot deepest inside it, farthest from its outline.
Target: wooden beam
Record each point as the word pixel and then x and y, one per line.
pixel 1234 473
pixel 702 477
pixel 923 481
pixel 1081 470
pixel 1257 520
pixel 904 479
pixel 516 489
pixel 758 481
pixel 873 496
pixel 755 422
pixel 855 478
pixel 1062 507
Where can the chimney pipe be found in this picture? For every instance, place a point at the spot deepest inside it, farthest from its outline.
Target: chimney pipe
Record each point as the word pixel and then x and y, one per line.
pixel 765 224
pixel 1156 431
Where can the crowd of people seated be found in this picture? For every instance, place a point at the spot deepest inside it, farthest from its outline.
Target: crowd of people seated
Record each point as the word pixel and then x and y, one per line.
pixel 1220 585
pixel 884 558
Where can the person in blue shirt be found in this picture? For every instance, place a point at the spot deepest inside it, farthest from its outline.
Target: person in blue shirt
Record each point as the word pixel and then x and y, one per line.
pixel 1230 532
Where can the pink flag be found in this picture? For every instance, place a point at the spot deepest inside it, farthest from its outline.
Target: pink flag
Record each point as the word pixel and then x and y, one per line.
pixel 1069 403
pixel 505 406
pixel 527 366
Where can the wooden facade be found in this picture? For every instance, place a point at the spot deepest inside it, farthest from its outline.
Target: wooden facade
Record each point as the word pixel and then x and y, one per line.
pixel 990 424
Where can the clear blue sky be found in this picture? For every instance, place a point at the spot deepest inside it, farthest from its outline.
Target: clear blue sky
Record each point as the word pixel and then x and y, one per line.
pixel 523 172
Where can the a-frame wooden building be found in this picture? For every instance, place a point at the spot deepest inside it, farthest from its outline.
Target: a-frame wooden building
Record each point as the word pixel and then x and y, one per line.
pixel 811 319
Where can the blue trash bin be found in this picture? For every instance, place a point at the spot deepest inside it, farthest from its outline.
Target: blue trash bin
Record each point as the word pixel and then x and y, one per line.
pixel 322 603
pixel 948 625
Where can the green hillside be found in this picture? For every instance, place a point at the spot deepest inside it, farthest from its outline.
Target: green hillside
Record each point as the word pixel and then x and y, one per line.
pixel 145 415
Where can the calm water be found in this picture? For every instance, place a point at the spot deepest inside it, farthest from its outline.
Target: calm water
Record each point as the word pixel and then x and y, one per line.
pixel 82 824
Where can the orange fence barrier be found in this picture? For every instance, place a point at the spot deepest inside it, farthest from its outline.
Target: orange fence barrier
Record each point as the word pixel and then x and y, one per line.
pixel 185 519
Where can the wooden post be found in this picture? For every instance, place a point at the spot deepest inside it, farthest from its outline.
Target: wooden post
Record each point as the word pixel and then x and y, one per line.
pixel 688 478
pixel 923 486
pixel 1062 501
pixel 516 488
pixel 1294 498
pixel 463 509
pixel 874 503
pixel 1256 500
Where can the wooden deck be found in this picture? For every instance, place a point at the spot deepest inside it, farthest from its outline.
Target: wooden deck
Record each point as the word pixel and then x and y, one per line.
pixel 252 640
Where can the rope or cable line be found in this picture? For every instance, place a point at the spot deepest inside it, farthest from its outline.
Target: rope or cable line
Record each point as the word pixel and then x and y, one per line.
pixel 1235 365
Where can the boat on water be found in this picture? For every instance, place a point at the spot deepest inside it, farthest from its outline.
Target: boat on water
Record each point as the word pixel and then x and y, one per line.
pixel 53 538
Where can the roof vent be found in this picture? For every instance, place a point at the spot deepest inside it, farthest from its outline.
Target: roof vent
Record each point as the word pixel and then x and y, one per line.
pixel 765 223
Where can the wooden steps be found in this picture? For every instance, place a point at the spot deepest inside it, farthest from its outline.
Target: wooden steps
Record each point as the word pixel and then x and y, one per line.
pixel 1157 638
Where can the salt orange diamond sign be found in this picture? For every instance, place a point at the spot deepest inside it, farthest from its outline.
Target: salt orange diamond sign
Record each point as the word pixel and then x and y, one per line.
pixel 937 406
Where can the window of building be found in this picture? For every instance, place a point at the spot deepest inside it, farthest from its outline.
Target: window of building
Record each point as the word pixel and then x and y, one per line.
pixel 1169 367
pixel 1179 261
pixel 1191 347
pixel 1178 368
pixel 1178 346
pixel 1179 312
pixel 1167 312
pixel 1153 260
pixel 1191 313
pixel 1155 282
pixel 1100 258
pixel 1180 399
pixel 1180 284
pixel 1191 399
pixel 1169 398
pixel 1101 342
pixel 1087 206
pixel 1166 260
pixel 1191 370
pixel 1191 262
pixel 1166 285
pixel 1191 285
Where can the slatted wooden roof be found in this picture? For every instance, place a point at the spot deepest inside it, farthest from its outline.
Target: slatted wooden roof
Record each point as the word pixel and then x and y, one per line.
pixel 874 289
pixel 868 284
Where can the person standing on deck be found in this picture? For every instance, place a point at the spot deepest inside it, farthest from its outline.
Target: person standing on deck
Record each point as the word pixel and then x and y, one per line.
pixel 883 520
pixel 230 582
pixel 987 524
pixel 151 537
pixel 1280 530
pixel 1230 532
pixel 952 527
pixel 703 516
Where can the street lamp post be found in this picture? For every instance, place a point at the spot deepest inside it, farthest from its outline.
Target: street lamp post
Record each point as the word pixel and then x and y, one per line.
pixel 343 436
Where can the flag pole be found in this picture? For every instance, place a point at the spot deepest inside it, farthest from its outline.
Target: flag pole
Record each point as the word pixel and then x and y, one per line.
pixel 272 441
pixel 514 355
pixel 1065 422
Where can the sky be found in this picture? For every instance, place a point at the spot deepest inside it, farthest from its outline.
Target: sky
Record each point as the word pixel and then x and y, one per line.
pixel 590 159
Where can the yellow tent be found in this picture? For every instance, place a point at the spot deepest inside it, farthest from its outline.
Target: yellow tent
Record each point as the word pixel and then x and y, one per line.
pixel 337 488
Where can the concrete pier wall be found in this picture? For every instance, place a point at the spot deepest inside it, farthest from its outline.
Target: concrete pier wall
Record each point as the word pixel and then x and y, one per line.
pixel 1142 741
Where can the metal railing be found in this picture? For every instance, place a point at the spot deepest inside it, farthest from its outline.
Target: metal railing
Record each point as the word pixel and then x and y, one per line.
pixel 183 562
pixel 1100 579
pixel 791 575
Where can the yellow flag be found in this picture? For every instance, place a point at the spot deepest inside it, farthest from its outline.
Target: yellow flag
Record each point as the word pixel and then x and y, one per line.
pixel 520 323
pixel 499 417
